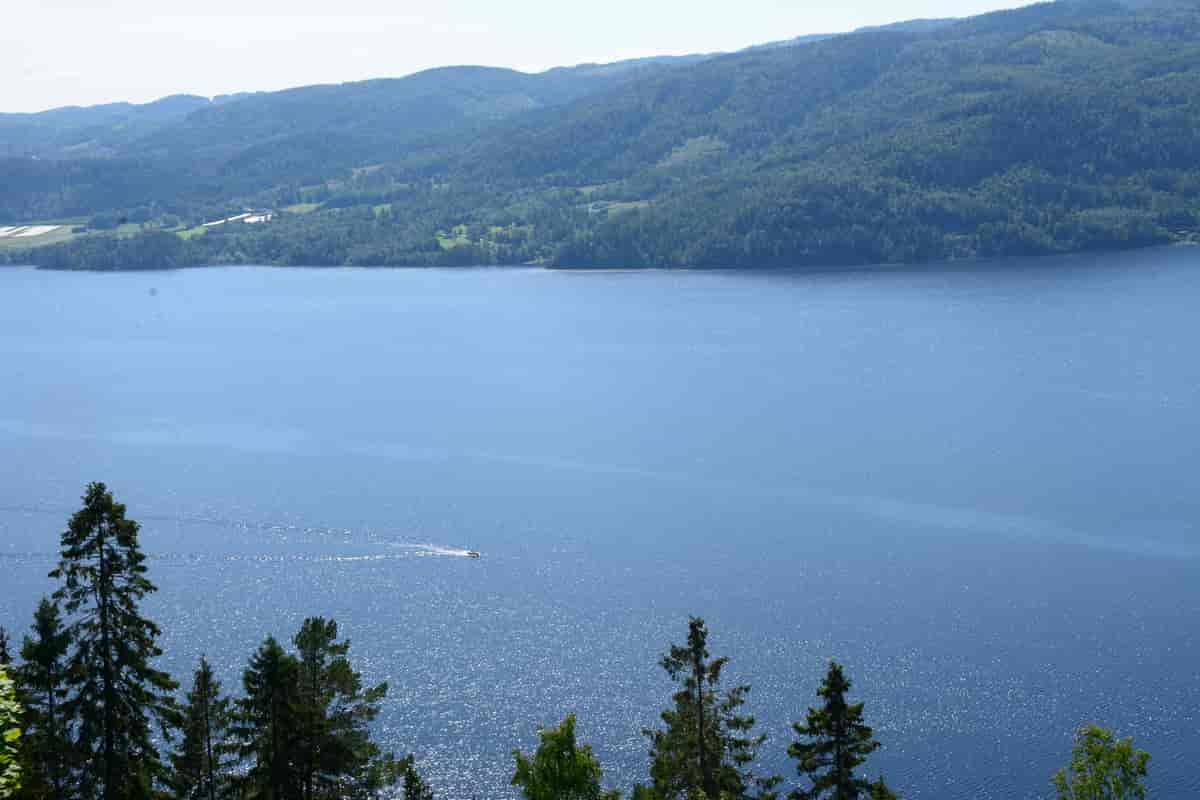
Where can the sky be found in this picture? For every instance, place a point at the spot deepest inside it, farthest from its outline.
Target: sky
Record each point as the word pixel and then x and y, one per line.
pixel 83 52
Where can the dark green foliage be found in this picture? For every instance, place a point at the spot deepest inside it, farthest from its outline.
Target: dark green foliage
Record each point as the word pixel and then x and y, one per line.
pixel 335 752
pixel 43 680
pixel 5 648
pixel 115 696
pixel 414 787
pixel 705 745
pixel 881 791
pixel 200 768
pixel 1102 768
pixel 832 743
pixel 560 769
pixel 303 723
pixel 149 250
pixel 267 724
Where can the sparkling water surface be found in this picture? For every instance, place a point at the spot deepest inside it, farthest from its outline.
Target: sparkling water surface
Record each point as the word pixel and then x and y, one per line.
pixel 977 487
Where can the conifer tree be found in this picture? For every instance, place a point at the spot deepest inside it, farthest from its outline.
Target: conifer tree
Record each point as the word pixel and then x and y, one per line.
pixel 115 694
pixel 414 787
pixel 199 766
pixel 43 680
pixel 5 648
pixel 266 724
pixel 335 748
pixel 323 667
pixel 832 743
pixel 881 791
pixel 560 769
pixel 706 745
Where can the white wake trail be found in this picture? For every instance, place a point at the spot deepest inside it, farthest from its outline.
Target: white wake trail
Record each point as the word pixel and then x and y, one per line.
pixel 429 549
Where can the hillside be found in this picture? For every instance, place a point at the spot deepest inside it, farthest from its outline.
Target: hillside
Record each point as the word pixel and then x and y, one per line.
pixel 94 131
pixel 1057 127
pixel 205 157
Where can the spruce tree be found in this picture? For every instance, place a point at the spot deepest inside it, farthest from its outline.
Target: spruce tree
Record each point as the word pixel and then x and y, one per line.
pixel 43 681
pixel 706 745
pixel 832 743
pixel 414 787
pixel 115 695
pixel 5 648
pixel 266 725
pixel 881 791
pixel 199 766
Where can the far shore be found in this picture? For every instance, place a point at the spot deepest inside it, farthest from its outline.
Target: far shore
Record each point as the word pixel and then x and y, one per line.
pixel 1051 260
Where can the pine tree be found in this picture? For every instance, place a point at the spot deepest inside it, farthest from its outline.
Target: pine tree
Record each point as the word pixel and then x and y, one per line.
pixel 335 747
pixel 322 667
pixel 560 769
pixel 199 766
pixel 43 681
pixel 5 648
pixel 266 724
pixel 832 743
pixel 115 693
pixel 706 745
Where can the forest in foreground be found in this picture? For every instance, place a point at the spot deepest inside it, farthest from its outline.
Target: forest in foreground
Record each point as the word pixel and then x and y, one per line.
pixel 86 715
pixel 1058 127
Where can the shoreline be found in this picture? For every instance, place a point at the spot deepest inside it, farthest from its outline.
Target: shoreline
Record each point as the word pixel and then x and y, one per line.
pixel 956 265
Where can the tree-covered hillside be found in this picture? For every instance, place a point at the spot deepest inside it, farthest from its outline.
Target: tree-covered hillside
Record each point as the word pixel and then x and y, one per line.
pixel 74 132
pixel 199 157
pixel 1057 127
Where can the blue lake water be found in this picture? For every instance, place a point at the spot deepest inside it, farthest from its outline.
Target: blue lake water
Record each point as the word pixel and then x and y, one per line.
pixel 976 487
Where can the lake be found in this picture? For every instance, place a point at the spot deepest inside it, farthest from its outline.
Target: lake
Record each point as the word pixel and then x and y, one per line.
pixel 975 486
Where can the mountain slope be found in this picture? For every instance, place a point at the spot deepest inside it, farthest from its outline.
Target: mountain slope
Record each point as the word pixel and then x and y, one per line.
pixel 94 131
pixel 215 151
pixel 1060 126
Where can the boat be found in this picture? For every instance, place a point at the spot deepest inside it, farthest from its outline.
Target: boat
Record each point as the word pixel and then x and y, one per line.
pixel 473 554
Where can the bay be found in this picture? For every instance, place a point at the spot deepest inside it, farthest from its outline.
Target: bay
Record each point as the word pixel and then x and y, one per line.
pixel 975 486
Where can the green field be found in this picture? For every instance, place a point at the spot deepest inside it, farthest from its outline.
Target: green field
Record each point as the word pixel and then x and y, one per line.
pixel 188 233
pixel 457 236
pixel 130 229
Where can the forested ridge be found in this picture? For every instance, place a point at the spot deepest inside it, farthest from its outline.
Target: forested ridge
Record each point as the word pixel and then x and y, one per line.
pixel 1058 127
pixel 85 714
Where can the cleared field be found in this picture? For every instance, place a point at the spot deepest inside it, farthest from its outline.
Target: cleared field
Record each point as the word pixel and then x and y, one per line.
pixel 27 231
pixel 16 237
pixel 188 233
pixel 612 208
pixel 694 149
pixel 129 229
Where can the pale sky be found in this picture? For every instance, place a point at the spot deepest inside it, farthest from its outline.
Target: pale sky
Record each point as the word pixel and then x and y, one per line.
pixel 82 52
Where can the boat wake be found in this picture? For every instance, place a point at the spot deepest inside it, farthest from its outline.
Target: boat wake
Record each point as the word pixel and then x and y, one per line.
pixel 437 550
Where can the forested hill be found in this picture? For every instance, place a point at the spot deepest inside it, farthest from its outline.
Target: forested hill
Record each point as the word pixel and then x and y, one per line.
pixel 1060 126
pixel 188 156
